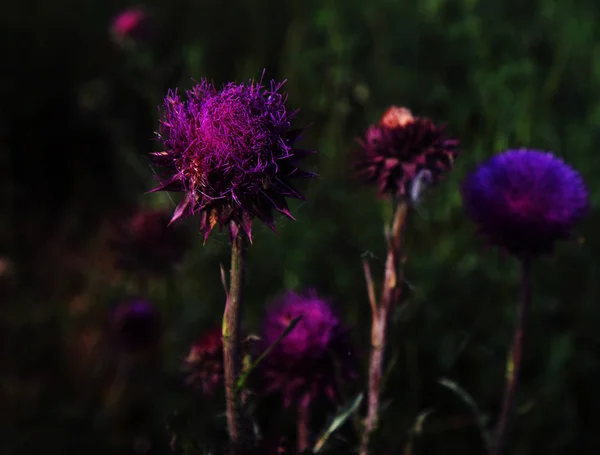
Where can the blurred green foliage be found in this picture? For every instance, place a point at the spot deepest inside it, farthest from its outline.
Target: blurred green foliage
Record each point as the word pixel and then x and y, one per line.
pixel 77 119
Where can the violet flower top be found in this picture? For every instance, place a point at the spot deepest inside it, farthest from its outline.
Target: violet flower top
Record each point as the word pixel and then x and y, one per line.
pixel 231 152
pixel 302 366
pixel 403 150
pixel 524 200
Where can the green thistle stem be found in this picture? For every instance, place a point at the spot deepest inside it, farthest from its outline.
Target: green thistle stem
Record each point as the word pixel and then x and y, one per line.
pixel 513 366
pixel 232 345
pixel 392 285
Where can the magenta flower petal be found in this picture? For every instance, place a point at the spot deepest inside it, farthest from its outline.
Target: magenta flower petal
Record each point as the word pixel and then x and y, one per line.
pixel 525 200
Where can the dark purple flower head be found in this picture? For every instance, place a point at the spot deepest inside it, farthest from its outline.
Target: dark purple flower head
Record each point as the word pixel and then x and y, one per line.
pixel 231 151
pixel 401 150
pixel 524 200
pixel 308 361
pixel 204 363
pixel 135 324
pixel 143 242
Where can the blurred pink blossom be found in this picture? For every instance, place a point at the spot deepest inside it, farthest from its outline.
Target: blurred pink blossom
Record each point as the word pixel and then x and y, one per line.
pixel 130 23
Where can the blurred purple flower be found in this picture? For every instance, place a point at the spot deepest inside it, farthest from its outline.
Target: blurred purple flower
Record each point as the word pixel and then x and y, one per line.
pixel 204 363
pixel 524 200
pixel 401 148
pixel 306 364
pixel 144 242
pixel 231 152
pixel 130 24
pixel 135 324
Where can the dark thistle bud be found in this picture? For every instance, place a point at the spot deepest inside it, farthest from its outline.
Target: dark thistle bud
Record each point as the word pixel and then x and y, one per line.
pixel 204 363
pixel 400 151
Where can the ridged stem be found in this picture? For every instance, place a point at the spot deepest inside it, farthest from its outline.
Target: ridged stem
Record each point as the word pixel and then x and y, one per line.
pixel 232 345
pixel 392 285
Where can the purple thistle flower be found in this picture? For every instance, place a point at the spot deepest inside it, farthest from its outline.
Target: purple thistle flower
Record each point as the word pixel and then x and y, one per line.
pixel 135 324
pixel 307 362
pixel 231 151
pixel 401 150
pixel 524 200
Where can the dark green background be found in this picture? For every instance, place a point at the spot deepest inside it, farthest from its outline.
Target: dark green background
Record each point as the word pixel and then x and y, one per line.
pixel 77 120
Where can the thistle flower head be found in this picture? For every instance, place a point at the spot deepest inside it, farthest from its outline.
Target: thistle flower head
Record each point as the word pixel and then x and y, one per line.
pixel 231 152
pixel 308 361
pixel 401 149
pixel 524 200
pixel 143 242
pixel 204 363
pixel 135 324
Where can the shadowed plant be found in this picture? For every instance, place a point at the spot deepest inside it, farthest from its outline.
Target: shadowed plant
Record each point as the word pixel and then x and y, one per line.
pixel 401 156
pixel 231 152
pixel 523 201
pixel 302 366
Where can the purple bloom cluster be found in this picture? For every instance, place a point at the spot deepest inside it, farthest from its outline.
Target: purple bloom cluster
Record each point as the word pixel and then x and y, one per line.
pixel 231 151
pixel 303 365
pixel 400 148
pixel 524 200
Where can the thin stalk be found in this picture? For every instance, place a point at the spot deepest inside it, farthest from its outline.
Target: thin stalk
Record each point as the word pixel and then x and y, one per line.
pixel 303 427
pixel 513 367
pixel 232 345
pixel 390 294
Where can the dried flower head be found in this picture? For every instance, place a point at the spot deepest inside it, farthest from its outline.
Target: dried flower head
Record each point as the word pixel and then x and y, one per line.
pixel 308 361
pixel 204 363
pixel 130 24
pixel 231 151
pixel 135 324
pixel 401 149
pixel 524 200
pixel 143 242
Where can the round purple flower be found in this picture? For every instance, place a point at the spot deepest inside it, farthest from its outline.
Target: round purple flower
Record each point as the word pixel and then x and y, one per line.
pixel 231 151
pixel 306 363
pixel 402 150
pixel 135 324
pixel 524 200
